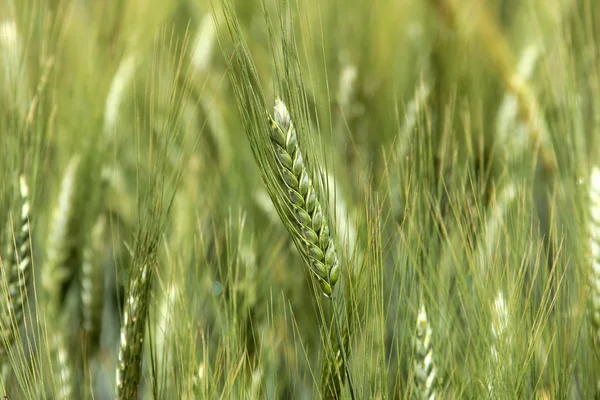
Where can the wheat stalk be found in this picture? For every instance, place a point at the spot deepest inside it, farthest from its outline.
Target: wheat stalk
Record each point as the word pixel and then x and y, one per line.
pixel 332 380
pixel 311 231
pixel 425 371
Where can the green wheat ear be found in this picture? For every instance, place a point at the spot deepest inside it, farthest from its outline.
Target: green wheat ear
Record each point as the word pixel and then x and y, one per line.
pixel 425 371
pixel 594 231
pixel 135 316
pixel 311 231
pixel 18 267
pixel 63 240
pixel 92 281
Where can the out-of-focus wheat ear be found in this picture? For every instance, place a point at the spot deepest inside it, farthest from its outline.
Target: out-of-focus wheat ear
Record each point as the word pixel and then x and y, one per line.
pixel 499 54
pixel 133 327
pixel 502 341
pixel 510 128
pixel 594 232
pixel 425 371
pixel 18 272
pixel 63 242
pixel 309 225
pixel 63 367
pixel 92 281
pixel 15 84
pixel 118 89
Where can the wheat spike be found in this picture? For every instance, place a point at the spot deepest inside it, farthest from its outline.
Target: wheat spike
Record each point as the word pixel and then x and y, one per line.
pixel 19 272
pixel 62 361
pixel 132 333
pixel 118 89
pixel 92 281
pixel 312 228
pixel 594 229
pixel 62 242
pixel 425 371
pixel 502 341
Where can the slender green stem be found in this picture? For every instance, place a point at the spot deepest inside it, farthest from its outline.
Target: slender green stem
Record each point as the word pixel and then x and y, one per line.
pixel 342 348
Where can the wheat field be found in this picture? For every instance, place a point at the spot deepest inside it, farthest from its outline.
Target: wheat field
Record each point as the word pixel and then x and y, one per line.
pixel 283 199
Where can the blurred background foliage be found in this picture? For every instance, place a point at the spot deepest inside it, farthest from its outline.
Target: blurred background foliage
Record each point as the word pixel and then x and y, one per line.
pixel 455 139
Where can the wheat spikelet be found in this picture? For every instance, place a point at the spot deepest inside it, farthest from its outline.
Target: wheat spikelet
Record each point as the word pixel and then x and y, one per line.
pixel 311 232
pixel 63 252
pixel 19 272
pixel 425 371
pixel 132 332
pixel 594 230
pixel 92 281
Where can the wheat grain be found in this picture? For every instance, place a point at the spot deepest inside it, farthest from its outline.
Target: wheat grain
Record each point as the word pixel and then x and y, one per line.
pixel 425 371
pixel 312 227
